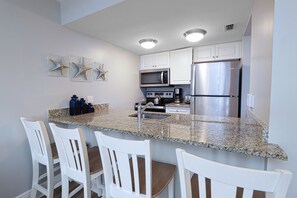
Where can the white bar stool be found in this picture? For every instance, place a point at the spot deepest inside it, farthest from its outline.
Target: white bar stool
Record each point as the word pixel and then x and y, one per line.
pixel 129 171
pixel 224 180
pixel 44 153
pixel 77 163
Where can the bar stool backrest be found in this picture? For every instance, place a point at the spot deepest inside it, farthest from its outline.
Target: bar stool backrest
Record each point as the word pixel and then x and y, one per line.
pixel 225 179
pixel 118 156
pixel 73 156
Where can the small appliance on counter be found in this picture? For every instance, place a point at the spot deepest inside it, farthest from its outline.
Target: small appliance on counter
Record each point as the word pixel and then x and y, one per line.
pixel 159 98
pixel 187 99
pixel 177 95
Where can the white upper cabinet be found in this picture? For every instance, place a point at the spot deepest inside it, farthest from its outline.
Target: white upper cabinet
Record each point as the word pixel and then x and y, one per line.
pixel 223 51
pixel 154 61
pixel 180 66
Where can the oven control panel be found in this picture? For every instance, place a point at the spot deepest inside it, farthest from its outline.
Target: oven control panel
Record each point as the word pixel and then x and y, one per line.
pixel 161 94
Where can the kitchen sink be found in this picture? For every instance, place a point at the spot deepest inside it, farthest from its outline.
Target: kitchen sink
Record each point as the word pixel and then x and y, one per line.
pixel 151 115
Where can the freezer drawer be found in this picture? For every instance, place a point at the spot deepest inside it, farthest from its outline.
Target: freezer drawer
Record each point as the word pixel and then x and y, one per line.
pixel 215 106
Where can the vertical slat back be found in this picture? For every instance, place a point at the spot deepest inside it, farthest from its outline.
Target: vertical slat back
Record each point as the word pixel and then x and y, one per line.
pixel 72 152
pixel 126 152
pixel 247 193
pixel 201 186
pixel 124 171
pixel 38 140
pixel 225 179
pixel 218 189
pixel 115 168
pixel 135 174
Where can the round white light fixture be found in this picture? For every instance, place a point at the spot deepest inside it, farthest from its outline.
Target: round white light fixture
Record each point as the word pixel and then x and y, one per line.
pixel 148 43
pixel 194 35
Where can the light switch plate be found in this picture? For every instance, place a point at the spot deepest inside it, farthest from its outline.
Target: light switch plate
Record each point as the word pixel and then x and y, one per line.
pixel 90 99
pixel 251 100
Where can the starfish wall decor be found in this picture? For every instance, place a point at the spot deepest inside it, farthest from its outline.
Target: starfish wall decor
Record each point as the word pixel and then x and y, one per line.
pixel 100 72
pixel 58 66
pixel 81 68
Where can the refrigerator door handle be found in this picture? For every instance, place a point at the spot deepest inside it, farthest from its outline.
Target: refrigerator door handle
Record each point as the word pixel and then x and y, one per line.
pixel 193 80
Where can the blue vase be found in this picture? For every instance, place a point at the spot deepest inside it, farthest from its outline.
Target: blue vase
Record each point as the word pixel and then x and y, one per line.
pixel 83 106
pixel 73 105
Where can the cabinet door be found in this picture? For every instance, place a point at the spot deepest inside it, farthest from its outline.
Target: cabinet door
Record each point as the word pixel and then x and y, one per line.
pixel 162 60
pixel 154 61
pixel 227 51
pixel 180 66
pixel 205 53
pixel 147 62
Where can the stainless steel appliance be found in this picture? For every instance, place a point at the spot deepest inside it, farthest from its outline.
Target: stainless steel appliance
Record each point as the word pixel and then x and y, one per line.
pixel 177 95
pixel 164 97
pixel 154 78
pixel 215 88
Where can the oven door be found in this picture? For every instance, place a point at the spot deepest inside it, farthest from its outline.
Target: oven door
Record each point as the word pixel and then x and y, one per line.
pixel 154 78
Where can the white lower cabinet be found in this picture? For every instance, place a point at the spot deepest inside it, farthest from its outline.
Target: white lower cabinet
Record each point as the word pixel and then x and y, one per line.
pixel 178 110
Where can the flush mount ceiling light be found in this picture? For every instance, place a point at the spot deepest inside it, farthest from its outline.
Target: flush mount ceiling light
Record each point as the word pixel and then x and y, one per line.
pixel 194 35
pixel 148 43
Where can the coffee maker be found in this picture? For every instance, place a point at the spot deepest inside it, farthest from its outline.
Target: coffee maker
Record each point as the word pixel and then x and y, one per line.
pixel 177 95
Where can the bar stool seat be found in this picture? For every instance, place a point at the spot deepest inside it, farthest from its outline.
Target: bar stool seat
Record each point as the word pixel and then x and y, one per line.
pixel 162 174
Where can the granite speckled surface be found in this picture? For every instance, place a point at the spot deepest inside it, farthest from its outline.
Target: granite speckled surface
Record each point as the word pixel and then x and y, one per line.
pixel 228 134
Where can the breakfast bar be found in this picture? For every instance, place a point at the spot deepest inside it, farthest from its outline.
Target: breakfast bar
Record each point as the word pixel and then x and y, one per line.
pixel 236 135
pixel 233 141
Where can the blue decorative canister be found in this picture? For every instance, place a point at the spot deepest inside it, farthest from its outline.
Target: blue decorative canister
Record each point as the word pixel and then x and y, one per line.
pixel 73 105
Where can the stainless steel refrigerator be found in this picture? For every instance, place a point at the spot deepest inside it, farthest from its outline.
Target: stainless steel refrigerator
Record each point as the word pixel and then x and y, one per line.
pixel 215 88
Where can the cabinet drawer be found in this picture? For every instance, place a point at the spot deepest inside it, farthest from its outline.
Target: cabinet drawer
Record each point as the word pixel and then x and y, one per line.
pixel 178 110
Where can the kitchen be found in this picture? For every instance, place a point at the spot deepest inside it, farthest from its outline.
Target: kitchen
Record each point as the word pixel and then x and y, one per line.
pixel 31 33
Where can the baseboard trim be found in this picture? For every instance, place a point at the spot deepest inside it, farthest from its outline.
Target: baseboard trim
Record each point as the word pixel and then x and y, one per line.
pixel 24 195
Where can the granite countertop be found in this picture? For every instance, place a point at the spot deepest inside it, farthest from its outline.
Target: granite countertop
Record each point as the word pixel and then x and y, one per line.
pixel 173 104
pixel 229 134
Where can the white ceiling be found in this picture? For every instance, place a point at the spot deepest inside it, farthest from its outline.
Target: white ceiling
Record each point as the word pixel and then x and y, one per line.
pixel 125 23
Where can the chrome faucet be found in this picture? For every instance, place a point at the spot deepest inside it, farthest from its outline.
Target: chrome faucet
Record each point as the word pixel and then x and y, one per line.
pixel 140 109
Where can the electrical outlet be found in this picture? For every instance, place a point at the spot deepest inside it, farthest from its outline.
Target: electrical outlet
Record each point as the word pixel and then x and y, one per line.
pixel 90 99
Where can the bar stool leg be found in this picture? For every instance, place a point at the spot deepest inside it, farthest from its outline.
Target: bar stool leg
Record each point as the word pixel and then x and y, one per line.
pixel 171 188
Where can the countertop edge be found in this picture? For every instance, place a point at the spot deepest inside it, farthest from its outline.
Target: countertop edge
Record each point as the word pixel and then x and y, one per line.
pixel 247 151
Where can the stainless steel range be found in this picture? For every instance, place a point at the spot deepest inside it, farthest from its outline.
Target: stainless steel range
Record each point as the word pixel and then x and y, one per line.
pixel 159 98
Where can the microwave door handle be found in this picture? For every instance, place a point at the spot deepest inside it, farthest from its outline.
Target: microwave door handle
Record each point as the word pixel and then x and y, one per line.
pixel 162 77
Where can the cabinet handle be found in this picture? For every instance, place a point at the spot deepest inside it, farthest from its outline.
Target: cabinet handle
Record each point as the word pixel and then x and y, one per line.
pixel 217 56
pixel 213 56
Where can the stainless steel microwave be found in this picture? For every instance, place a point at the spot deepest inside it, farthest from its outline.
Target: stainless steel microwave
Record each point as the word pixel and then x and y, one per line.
pixel 154 78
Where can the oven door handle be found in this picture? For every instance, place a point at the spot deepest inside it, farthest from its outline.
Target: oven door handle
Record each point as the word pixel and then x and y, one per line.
pixel 162 77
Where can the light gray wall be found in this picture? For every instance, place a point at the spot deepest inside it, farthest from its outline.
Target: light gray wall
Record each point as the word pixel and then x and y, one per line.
pixel 26 38
pixel 246 63
pixel 261 56
pixel 75 9
pixel 284 88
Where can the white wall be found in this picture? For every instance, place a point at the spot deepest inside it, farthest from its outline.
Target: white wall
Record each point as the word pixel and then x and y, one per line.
pixel 284 88
pixel 246 64
pixel 261 56
pixel 26 38
pixel 75 9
